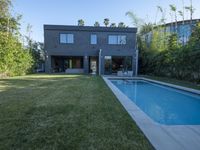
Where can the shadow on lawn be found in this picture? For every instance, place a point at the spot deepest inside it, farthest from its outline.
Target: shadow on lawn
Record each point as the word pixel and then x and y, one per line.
pixel 35 81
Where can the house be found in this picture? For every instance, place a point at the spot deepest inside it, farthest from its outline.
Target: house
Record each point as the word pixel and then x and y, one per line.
pixel 183 30
pixel 87 49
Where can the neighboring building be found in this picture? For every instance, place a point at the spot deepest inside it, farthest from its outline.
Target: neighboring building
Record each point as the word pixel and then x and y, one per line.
pixel 183 30
pixel 84 49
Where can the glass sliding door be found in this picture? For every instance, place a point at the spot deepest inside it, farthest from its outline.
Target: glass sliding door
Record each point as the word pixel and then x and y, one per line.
pixel 108 65
pixel 113 64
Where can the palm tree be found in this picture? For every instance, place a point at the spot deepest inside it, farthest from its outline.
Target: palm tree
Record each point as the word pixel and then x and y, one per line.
pixel 146 28
pixel 96 24
pixel 183 12
pixel 137 22
pixel 106 21
pixel 81 22
pixel 174 10
pixel 183 22
pixel 121 25
pixel 113 25
pixel 160 9
pixel 191 10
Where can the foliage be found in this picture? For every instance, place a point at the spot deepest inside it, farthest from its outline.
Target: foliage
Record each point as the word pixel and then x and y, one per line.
pixel 165 56
pixel 121 25
pixel 36 50
pixel 96 24
pixel 137 22
pixel 113 25
pixel 14 58
pixel 81 22
pixel 106 21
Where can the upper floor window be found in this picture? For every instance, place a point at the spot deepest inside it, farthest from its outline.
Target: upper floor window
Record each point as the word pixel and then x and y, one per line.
pixel 66 38
pixel 93 39
pixel 117 39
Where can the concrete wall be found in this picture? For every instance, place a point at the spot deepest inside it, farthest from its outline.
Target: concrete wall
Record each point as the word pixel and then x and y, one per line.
pixel 82 46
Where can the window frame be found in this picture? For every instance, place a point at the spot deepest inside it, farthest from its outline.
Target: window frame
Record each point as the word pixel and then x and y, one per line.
pixel 95 43
pixel 117 39
pixel 66 38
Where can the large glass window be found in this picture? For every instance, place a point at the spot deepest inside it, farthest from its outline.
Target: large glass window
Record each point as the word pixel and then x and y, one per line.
pixel 112 39
pixel 93 39
pixel 73 62
pixel 113 64
pixel 108 65
pixel 117 39
pixel 121 39
pixel 66 38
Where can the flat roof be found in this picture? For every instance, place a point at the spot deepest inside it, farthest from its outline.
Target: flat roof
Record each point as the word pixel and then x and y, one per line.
pixel 89 28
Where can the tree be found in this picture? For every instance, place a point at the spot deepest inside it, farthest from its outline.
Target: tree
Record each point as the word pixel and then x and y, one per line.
pixel 106 21
pixel 136 21
pixel 191 10
pixel 14 58
pixel 121 25
pixel 160 9
pixel 96 24
pixel 174 10
pixel 81 22
pixel 146 28
pixel 113 25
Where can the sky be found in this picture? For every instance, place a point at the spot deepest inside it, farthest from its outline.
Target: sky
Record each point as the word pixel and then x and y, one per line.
pixel 67 12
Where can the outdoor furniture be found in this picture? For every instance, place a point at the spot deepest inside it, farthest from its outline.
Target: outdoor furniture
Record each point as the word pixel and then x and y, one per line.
pixel 130 73
pixel 125 73
pixel 119 73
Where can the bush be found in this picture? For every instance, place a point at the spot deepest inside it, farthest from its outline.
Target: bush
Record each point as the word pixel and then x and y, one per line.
pixel 167 57
pixel 14 60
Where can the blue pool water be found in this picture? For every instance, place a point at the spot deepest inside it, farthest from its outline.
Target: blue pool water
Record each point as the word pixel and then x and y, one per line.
pixel 163 104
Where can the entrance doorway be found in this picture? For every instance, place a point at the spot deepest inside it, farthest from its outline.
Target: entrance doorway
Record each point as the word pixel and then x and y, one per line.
pixel 93 65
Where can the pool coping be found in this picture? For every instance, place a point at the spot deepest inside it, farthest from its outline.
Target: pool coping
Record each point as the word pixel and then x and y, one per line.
pixel 161 136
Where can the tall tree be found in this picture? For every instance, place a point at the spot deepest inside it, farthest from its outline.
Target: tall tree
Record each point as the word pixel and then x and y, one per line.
pixel 191 9
pixel 96 24
pixel 14 59
pixel 162 11
pixel 81 22
pixel 174 10
pixel 136 21
pixel 106 21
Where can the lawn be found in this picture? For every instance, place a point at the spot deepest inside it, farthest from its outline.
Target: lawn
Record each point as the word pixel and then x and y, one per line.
pixel 64 112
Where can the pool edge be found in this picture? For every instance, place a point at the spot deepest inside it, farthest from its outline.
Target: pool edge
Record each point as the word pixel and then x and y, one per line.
pixel 161 136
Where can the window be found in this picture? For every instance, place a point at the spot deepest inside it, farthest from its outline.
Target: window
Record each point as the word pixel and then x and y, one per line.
pixel 112 39
pixel 121 39
pixel 93 39
pixel 66 38
pixel 117 39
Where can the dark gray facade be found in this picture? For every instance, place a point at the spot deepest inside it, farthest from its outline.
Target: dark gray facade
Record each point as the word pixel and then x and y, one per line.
pixel 82 47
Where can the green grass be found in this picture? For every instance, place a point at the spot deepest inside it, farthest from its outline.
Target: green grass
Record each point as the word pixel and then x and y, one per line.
pixel 64 112
pixel 175 81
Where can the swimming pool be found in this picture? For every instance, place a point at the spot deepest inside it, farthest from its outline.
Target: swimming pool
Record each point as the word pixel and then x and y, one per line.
pixel 163 104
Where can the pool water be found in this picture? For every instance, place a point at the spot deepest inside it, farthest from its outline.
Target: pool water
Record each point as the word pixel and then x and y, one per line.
pixel 163 104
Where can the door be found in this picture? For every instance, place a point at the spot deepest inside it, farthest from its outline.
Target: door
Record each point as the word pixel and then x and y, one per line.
pixel 108 65
pixel 93 65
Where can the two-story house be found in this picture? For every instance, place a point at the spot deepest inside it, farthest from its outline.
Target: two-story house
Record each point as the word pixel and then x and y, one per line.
pixel 86 49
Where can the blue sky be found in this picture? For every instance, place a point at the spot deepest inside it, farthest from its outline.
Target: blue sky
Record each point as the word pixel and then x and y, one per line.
pixel 67 12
